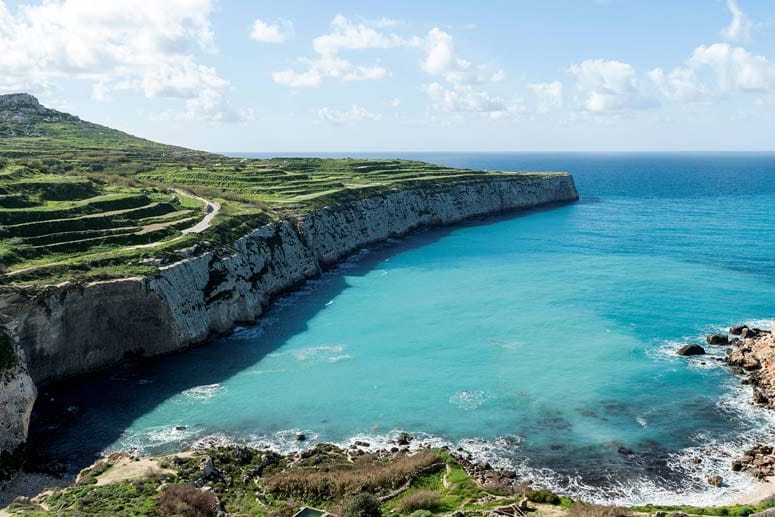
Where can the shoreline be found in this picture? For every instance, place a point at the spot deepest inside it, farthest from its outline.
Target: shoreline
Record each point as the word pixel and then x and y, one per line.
pixel 759 491
pixel 120 467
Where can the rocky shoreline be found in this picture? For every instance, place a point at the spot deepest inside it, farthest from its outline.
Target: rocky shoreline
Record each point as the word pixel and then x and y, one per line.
pixel 752 356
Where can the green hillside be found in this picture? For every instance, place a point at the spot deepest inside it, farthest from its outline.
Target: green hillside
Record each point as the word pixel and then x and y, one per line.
pixel 83 201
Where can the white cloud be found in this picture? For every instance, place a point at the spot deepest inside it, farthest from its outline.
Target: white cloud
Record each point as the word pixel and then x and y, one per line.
pixel 117 45
pixel 439 52
pixel 345 35
pixel 548 95
pixel 308 78
pixel 467 99
pixel 739 28
pixel 464 91
pixel 355 113
pixel 608 86
pixel 681 84
pixel 278 32
pixel 395 102
pixel 735 68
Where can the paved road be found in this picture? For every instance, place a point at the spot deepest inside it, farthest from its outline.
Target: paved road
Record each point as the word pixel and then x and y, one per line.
pixel 212 208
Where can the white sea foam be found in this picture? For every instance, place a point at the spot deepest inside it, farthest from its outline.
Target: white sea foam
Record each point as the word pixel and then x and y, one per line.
pixel 204 392
pixel 468 400
pixel 321 353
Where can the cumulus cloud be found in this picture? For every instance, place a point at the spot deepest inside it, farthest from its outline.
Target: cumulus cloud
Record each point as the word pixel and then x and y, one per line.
pixel 548 95
pixel 609 86
pixel 355 113
pixel 681 84
pixel 739 28
pixel 440 50
pixel 278 32
pixel 735 68
pixel 117 45
pixel 460 87
pixel 467 99
pixel 345 35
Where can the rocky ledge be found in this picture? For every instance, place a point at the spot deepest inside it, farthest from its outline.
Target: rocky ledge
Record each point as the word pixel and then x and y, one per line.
pixel 752 355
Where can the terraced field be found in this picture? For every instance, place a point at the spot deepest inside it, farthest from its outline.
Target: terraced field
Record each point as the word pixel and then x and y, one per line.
pixel 83 201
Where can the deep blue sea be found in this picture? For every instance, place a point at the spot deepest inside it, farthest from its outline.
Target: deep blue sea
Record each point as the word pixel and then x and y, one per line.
pixel 543 341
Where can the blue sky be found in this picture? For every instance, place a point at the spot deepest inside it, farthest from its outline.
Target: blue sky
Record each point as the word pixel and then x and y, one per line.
pixel 518 75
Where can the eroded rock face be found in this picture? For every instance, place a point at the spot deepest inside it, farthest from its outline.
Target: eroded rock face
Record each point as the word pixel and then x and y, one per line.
pixel 68 330
pixel 759 461
pixel 17 396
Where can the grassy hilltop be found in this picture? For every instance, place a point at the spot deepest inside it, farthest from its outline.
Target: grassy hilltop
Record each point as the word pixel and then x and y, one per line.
pixel 83 201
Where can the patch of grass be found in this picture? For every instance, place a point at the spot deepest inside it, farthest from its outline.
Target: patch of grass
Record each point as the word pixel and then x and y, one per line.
pixel 596 510
pixel 362 475
pixel 126 498
pixel 419 500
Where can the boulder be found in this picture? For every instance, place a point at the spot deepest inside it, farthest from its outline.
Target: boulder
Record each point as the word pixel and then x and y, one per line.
pixel 207 467
pixel 717 339
pixel 715 481
pixel 747 333
pixel 691 349
pixel 737 329
pixel 404 439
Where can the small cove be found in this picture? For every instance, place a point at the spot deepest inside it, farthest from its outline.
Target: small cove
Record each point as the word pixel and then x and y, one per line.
pixel 541 341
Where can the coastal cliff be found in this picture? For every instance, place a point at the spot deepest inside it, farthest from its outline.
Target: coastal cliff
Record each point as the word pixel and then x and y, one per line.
pixel 69 329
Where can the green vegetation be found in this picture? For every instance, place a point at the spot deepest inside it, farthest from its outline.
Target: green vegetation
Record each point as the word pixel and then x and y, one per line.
pixel 80 201
pixel 7 353
pixel 246 481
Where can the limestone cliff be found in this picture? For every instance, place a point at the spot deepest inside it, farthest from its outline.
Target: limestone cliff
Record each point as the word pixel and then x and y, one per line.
pixel 68 329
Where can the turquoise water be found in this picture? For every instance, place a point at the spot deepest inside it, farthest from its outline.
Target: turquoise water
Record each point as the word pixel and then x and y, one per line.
pixel 542 341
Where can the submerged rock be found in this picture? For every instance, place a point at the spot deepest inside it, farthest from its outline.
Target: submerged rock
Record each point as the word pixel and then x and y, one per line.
pixel 691 349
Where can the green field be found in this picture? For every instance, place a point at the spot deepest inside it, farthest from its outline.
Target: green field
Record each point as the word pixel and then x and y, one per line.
pixel 79 201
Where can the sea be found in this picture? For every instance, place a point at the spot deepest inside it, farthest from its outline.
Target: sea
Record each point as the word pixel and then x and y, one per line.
pixel 540 341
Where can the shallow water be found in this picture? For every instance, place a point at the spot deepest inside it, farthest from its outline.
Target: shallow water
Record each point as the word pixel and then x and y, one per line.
pixel 542 341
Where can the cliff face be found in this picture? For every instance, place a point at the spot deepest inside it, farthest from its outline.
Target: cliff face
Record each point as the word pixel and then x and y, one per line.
pixel 68 329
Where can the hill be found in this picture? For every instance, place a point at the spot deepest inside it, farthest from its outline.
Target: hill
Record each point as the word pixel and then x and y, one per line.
pixel 81 201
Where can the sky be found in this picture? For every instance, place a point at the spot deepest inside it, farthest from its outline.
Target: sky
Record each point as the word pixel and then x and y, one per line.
pixel 404 75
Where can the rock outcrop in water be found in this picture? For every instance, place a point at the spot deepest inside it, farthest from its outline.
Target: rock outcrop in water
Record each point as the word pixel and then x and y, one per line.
pixel 68 329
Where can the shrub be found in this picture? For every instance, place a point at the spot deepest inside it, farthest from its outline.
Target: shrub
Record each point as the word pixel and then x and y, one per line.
pixel 186 501
pixel 362 505
pixel 596 510
pixel 421 500
pixel 361 476
pixel 543 496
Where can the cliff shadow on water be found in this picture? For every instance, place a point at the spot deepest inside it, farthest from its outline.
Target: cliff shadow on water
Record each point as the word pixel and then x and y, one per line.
pixel 75 421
